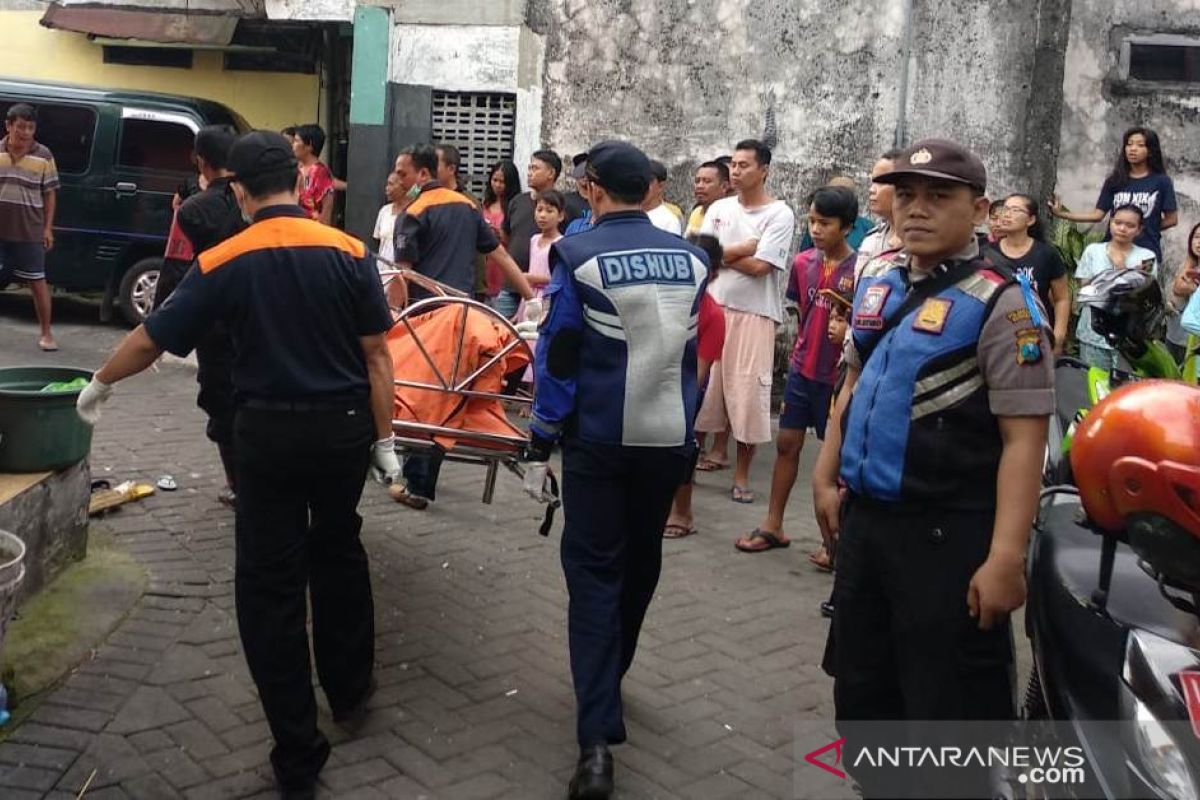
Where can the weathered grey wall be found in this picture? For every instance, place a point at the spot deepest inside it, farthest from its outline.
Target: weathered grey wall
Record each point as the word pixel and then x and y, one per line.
pixel 688 78
pixel 1099 107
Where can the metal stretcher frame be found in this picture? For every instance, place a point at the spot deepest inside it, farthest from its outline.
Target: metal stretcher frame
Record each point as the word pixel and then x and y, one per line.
pixel 410 436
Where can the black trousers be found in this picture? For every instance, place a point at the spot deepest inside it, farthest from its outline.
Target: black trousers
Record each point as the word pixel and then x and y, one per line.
pixel 300 476
pixel 616 501
pixel 214 357
pixel 904 645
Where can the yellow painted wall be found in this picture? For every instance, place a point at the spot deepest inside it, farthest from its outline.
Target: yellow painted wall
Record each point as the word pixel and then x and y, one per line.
pixel 271 100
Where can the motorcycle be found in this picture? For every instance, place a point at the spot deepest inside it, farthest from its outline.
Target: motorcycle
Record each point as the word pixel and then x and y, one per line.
pixel 1113 639
pixel 1127 310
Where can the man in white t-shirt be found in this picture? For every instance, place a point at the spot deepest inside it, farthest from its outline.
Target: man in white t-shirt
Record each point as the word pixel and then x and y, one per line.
pixel 659 213
pixel 385 229
pixel 755 231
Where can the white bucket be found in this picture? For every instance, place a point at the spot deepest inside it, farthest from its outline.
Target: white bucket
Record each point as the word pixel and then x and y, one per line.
pixel 12 572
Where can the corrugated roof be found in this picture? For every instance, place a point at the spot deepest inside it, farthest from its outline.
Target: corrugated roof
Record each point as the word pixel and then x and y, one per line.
pixel 153 26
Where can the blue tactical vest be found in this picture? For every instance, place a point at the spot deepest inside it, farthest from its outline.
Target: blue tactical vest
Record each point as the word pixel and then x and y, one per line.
pixel 919 428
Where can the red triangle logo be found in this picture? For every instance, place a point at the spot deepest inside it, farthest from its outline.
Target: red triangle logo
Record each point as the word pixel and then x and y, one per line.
pixel 814 756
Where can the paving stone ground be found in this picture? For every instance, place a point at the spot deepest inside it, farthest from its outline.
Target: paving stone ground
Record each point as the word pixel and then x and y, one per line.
pixel 475 695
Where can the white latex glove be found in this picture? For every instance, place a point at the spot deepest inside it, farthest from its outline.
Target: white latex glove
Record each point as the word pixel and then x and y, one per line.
pixel 385 466
pixel 528 330
pixel 91 398
pixel 535 480
pixel 533 311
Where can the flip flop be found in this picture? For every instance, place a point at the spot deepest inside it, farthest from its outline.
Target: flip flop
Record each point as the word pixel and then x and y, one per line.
pixel 47 345
pixel 820 559
pixel 769 542
pixel 678 532
pixel 740 494
pixel 708 465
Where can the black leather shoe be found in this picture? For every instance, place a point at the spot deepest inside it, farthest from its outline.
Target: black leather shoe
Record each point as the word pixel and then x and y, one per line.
pixel 827 609
pixel 356 714
pixel 593 778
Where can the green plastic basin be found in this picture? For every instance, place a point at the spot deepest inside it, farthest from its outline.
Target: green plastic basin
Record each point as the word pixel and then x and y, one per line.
pixel 40 431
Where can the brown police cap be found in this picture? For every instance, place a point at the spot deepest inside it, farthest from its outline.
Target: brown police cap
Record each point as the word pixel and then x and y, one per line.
pixel 939 158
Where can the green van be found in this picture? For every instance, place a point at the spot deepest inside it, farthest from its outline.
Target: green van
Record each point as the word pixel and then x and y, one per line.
pixel 121 157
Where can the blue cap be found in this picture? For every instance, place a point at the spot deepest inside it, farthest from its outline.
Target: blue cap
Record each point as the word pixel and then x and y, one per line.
pixel 619 167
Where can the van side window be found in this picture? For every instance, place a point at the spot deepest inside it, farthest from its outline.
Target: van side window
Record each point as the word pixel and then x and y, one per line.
pixel 149 144
pixel 67 130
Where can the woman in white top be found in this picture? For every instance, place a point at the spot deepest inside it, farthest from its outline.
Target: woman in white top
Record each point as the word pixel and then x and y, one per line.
pixel 1118 253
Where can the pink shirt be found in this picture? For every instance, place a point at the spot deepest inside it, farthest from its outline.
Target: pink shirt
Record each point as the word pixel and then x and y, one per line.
pixel 539 266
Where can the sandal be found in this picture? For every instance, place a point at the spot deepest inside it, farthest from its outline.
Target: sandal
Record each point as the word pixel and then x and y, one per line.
pixel 47 344
pixel 740 494
pixel 674 531
pixel 401 495
pixel 706 464
pixel 821 559
pixel 760 541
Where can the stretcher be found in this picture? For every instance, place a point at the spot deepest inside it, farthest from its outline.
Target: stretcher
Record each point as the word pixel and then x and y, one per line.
pixel 456 366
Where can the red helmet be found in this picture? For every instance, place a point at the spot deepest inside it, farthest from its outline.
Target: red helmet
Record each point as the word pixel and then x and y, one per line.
pixel 1136 460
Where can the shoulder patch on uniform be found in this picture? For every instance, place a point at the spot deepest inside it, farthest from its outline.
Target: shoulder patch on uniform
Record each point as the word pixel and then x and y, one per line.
pixel 1029 346
pixel 882 263
pixel 277 233
pixel 1018 315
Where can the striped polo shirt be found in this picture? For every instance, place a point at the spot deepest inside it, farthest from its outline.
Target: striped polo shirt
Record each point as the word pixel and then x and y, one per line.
pixel 22 189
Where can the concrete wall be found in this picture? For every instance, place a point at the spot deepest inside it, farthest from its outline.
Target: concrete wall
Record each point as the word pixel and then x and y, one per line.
pixel 476 58
pixel 266 99
pixel 688 79
pixel 51 518
pixel 1099 107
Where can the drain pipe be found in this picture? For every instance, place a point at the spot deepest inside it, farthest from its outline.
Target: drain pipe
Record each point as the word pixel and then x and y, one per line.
pixel 905 57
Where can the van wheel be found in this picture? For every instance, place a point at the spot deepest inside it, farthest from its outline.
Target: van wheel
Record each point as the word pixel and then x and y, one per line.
pixel 136 295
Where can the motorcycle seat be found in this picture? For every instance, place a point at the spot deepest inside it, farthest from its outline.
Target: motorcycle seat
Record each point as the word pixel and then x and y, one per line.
pixel 1072 551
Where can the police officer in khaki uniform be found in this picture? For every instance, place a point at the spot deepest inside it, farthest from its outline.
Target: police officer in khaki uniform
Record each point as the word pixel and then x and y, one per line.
pixel 938 439
pixel 312 381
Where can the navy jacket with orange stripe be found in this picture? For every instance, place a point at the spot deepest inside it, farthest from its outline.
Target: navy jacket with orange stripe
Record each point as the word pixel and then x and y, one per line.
pixel 295 295
pixel 440 234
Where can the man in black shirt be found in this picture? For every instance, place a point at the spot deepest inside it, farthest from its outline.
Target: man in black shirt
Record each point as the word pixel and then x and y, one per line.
pixel 439 235
pixel 313 386
pixel 207 219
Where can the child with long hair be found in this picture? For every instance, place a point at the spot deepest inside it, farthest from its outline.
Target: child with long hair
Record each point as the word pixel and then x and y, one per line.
pixel 1139 178
pixel 504 183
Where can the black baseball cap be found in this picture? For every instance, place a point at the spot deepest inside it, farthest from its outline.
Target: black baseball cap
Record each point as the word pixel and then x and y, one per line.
pixel 619 167
pixel 579 166
pixel 939 158
pixel 259 152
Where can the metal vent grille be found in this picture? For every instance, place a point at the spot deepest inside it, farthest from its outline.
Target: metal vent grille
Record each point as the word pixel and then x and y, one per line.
pixel 481 125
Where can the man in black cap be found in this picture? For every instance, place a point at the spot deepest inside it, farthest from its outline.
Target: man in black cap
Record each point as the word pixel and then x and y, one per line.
pixel 938 433
pixel 207 219
pixel 313 382
pixel 615 378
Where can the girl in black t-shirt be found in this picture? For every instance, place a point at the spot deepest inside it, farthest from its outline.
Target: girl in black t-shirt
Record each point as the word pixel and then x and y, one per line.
pixel 1138 178
pixel 1022 248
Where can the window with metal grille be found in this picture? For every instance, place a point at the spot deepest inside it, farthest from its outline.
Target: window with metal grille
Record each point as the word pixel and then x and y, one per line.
pixel 481 125
pixel 1161 58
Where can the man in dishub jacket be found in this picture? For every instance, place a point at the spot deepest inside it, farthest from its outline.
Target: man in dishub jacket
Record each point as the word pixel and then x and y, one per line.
pixel 615 379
